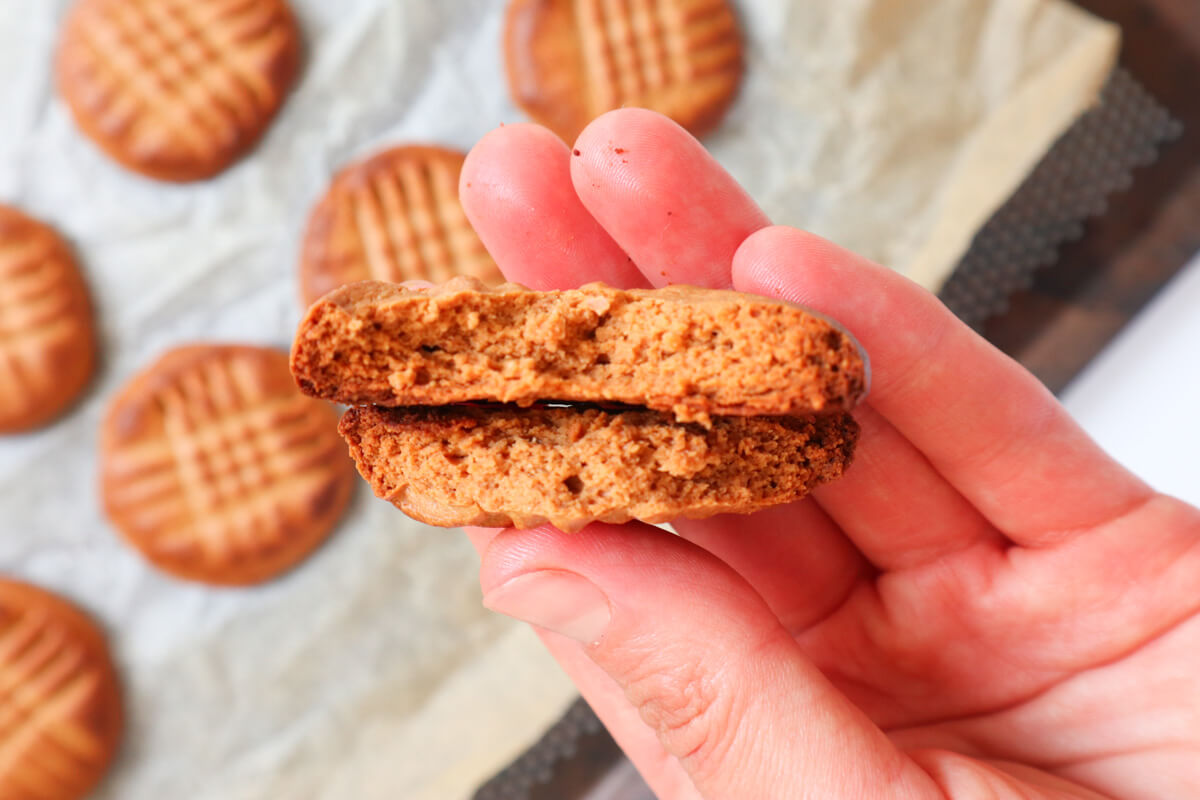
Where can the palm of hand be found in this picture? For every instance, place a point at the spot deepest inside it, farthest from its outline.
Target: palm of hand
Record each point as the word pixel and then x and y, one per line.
pixel 1077 661
pixel 985 605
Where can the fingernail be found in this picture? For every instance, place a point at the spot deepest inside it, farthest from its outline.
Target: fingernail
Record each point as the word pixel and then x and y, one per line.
pixel 559 601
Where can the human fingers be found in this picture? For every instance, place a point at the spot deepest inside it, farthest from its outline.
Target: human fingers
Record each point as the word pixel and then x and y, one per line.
pixel 662 773
pixel 681 216
pixel 894 505
pixel 662 197
pixel 700 656
pixel 516 190
pixel 796 558
pixel 985 424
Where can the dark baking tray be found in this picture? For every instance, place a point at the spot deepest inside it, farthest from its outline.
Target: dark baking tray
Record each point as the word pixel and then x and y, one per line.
pixel 1104 220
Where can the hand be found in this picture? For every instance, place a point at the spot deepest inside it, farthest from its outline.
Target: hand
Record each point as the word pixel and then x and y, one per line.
pixel 985 606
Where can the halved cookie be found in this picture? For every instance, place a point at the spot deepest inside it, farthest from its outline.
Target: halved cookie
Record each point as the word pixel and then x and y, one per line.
pixel 517 407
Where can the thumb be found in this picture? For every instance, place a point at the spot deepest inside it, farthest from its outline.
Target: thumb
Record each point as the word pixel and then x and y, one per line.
pixel 701 657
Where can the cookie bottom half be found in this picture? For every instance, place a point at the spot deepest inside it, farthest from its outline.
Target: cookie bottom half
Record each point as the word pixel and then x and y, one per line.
pixel 502 466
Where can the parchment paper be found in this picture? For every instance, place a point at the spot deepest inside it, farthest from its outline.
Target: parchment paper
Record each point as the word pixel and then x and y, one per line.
pixel 891 126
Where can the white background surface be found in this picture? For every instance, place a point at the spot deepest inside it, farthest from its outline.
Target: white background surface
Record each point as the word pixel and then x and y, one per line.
pixel 1140 398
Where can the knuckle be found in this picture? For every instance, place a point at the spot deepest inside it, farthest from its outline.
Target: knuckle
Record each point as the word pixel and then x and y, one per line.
pixel 687 703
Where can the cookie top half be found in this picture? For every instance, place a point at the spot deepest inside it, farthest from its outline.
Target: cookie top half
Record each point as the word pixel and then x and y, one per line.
pixel 690 351
pixel 177 89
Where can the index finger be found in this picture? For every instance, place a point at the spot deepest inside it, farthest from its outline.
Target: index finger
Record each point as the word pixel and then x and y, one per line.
pixel 986 424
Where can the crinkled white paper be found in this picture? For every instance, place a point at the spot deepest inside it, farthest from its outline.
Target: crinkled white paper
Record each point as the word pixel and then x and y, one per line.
pixel 892 126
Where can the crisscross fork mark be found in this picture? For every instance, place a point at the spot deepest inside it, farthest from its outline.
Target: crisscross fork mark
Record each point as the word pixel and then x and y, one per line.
pixel 44 686
pixel 638 52
pixel 626 49
pixel 708 46
pixel 157 477
pixel 31 318
pixel 231 468
pixel 30 276
pixel 415 179
pixel 381 221
pixel 245 24
pixel 120 50
pixel 411 225
pixel 215 68
pixel 466 248
pixel 164 46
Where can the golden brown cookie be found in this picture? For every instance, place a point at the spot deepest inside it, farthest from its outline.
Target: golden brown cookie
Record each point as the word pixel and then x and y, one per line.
pixel 571 60
pixel 47 340
pixel 217 469
pixel 569 466
pixel 177 89
pixel 393 217
pixel 693 352
pixel 60 704
pixel 508 406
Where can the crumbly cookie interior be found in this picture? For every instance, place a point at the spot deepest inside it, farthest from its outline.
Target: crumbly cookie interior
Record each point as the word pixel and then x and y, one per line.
pixel 692 352
pixel 572 465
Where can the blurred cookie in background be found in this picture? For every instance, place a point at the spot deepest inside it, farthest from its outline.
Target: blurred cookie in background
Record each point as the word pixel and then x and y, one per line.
pixel 177 89
pixel 47 336
pixel 571 60
pixel 218 470
pixel 393 217
pixel 60 703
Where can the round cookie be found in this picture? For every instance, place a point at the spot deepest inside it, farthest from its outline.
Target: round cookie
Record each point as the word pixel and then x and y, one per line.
pixel 571 60
pixel 177 89
pixel 47 338
pixel 60 704
pixel 218 470
pixel 392 217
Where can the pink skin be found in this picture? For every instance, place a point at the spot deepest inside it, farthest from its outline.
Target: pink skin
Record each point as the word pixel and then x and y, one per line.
pixel 985 606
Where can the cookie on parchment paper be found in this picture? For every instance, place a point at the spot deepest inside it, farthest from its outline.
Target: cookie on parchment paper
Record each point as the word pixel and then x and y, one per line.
pixel 47 337
pixel 218 470
pixel 60 703
pixel 571 60
pixel 177 89
pixel 393 217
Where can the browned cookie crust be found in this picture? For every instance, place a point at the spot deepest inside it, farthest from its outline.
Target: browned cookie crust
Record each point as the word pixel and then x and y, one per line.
pixel 393 217
pixel 47 336
pixel 693 352
pixel 571 60
pixel 501 466
pixel 177 89
pixel 60 703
